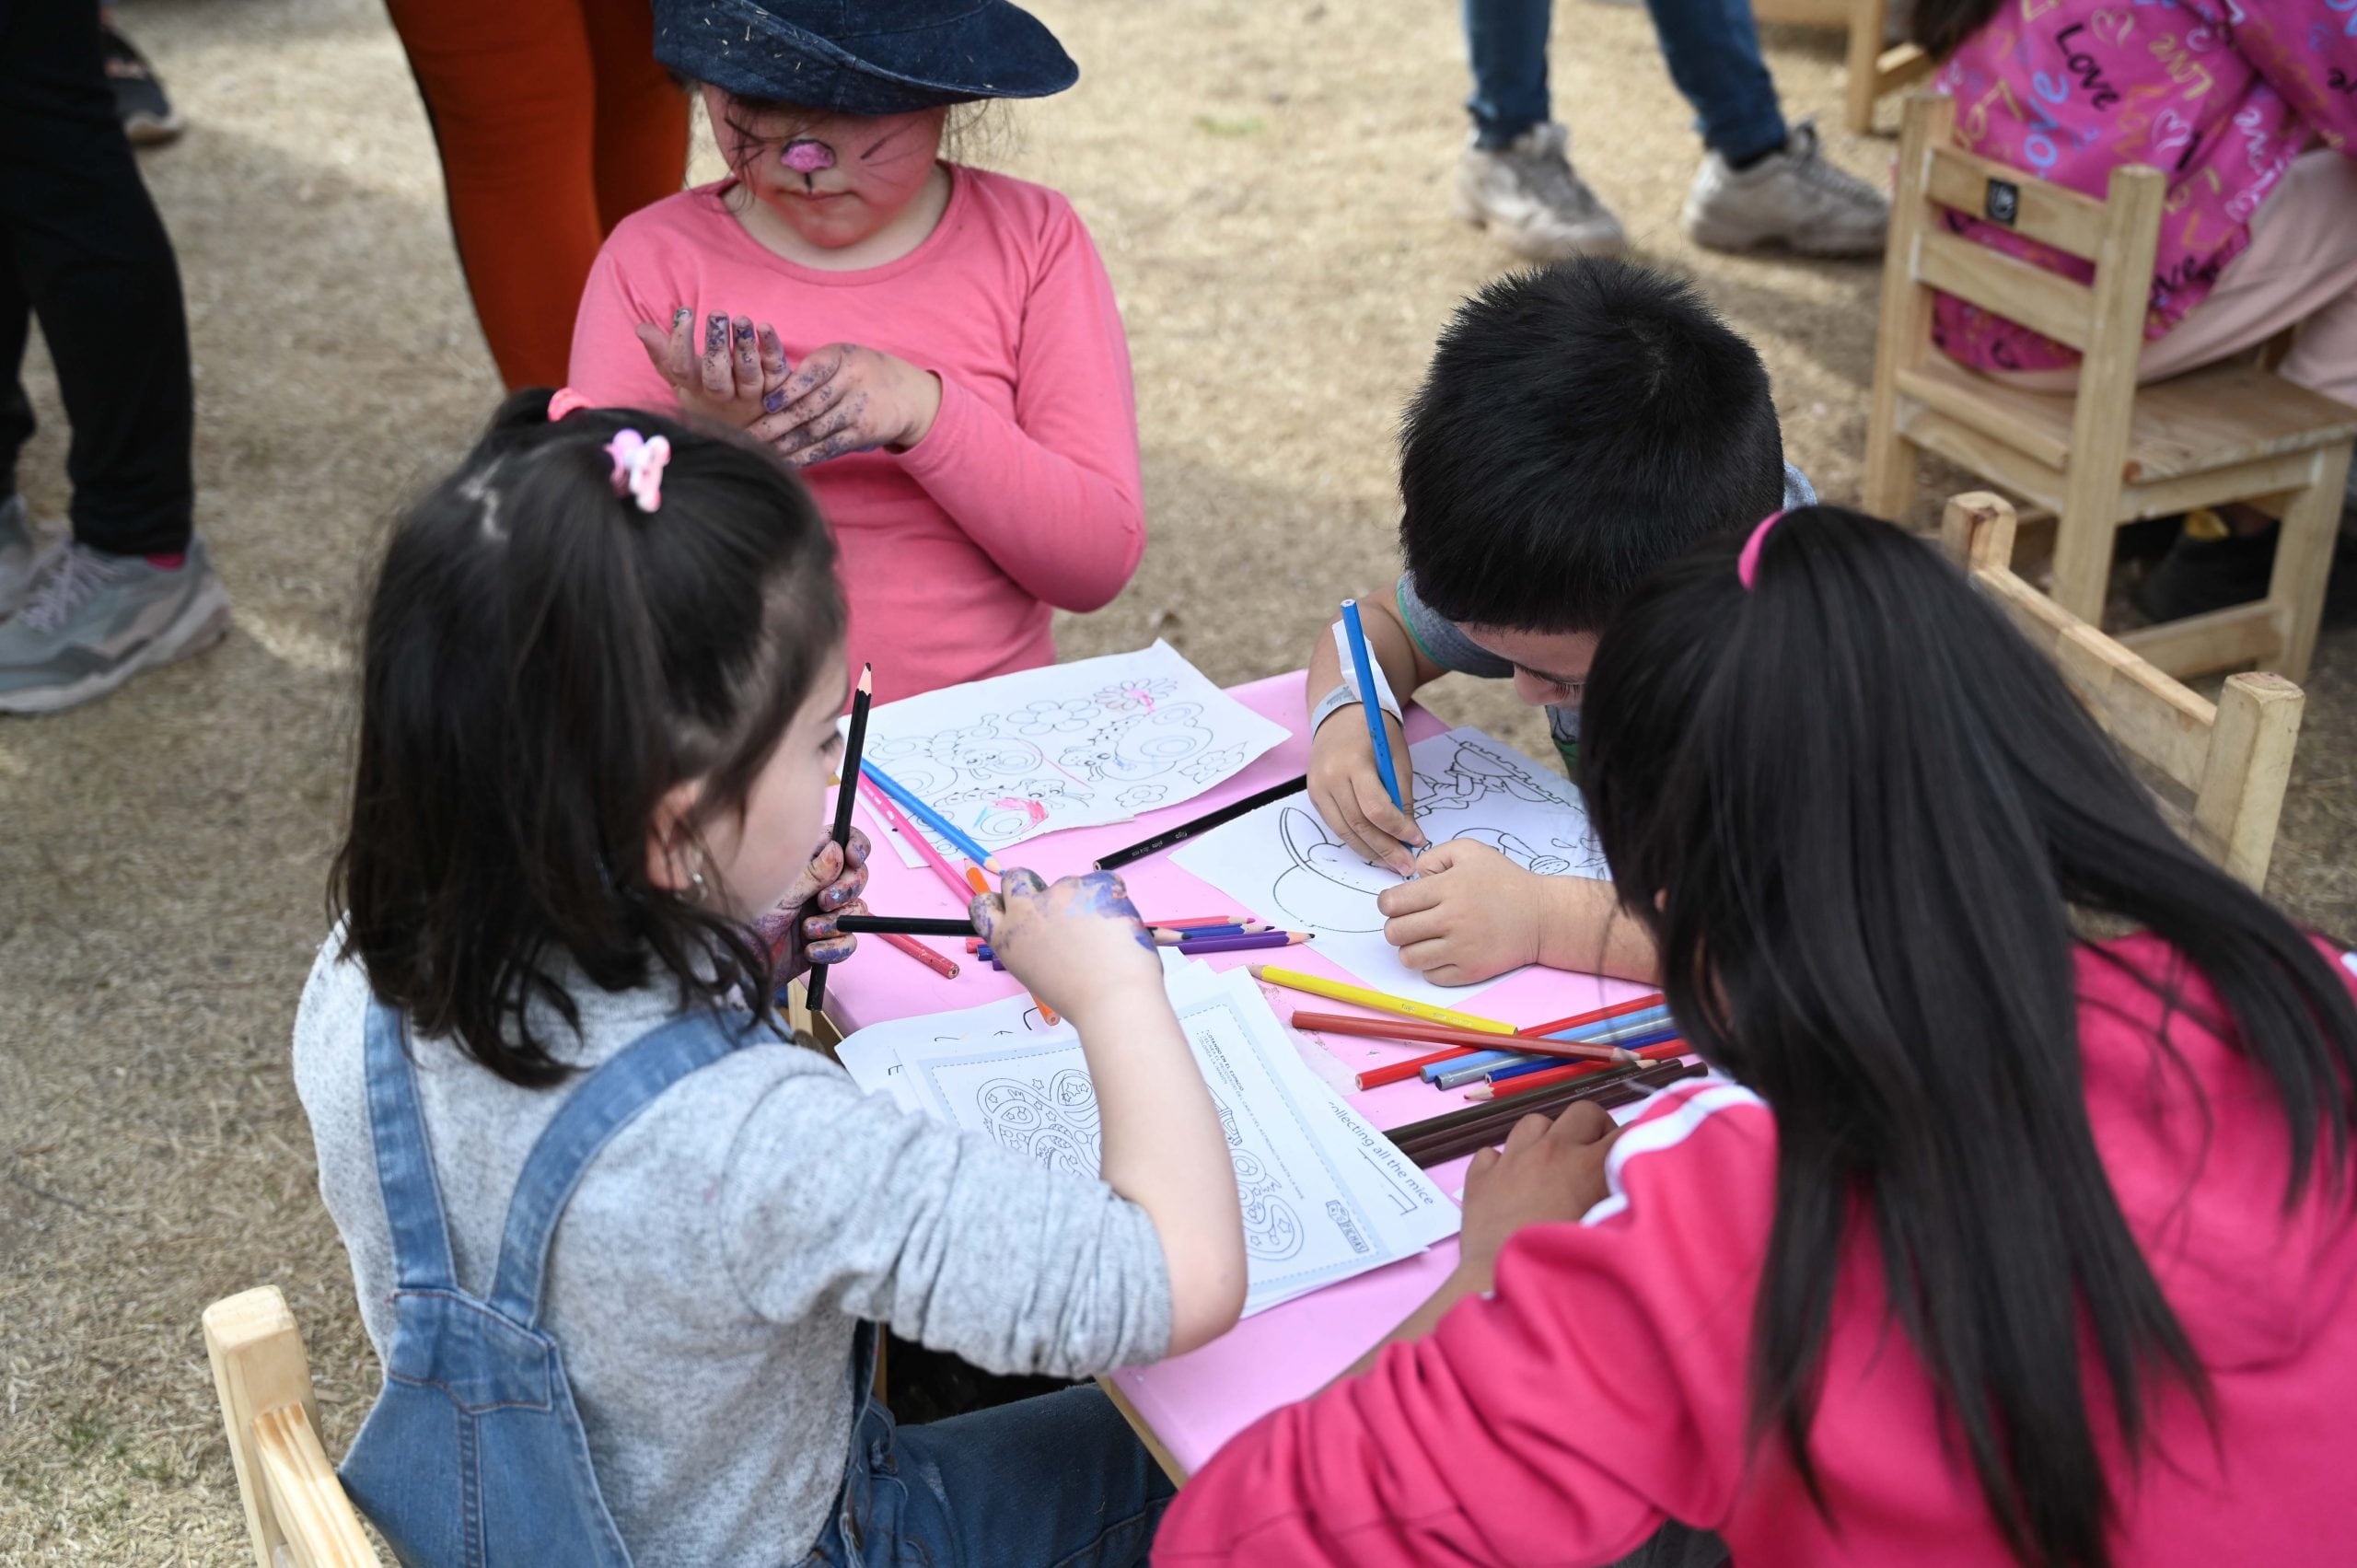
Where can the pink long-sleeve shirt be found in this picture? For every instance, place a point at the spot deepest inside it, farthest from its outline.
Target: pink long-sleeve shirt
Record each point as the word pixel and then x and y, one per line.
pixel 1600 1390
pixel 2219 94
pixel 1024 497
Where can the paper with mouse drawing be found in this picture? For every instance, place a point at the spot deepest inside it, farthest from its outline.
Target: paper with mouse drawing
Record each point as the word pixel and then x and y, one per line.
pixel 1285 864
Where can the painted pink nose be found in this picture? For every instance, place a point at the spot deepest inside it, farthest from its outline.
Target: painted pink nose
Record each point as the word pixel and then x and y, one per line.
pixel 808 156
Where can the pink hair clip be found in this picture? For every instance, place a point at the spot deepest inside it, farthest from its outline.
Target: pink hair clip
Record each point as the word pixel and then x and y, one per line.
pixel 1747 565
pixel 638 467
pixel 565 401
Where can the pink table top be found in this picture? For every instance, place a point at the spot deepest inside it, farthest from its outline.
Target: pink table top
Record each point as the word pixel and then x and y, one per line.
pixel 1195 1402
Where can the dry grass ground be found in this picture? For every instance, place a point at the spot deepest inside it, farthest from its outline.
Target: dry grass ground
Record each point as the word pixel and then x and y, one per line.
pixel 1267 182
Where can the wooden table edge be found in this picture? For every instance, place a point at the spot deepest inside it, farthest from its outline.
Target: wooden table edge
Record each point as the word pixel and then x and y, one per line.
pixel 1138 1423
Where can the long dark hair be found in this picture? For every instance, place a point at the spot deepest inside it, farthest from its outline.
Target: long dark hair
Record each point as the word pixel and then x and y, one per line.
pixel 543 661
pixel 1859 815
pixel 1936 27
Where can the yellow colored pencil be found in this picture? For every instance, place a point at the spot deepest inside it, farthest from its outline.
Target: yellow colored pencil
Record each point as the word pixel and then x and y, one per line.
pixel 1342 991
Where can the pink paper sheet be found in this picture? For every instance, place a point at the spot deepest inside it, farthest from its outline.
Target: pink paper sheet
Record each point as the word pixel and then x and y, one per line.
pixel 1197 1401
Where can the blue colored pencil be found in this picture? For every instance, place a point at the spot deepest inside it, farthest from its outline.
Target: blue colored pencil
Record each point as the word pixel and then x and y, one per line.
pixel 1364 670
pixel 1516 1069
pixel 923 813
pixel 1432 1071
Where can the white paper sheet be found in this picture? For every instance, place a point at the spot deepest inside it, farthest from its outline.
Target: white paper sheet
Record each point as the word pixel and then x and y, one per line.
pixel 1067 746
pixel 1325 1196
pixel 1286 864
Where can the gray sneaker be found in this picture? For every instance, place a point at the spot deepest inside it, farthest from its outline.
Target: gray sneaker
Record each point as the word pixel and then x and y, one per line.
pixel 1525 193
pixel 1791 197
pixel 92 620
pixel 22 553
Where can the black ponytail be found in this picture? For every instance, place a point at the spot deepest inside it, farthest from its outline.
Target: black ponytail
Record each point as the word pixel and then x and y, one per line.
pixel 542 662
pixel 1858 815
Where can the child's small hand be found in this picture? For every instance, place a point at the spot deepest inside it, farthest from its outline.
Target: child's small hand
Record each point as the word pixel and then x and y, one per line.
pixel 1349 793
pixel 1074 945
pixel 849 399
pixel 1470 913
pixel 1547 1174
pixel 802 929
pixel 739 374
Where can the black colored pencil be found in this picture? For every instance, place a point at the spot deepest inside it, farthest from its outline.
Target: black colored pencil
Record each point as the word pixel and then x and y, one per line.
pixel 815 989
pixel 905 925
pixel 1202 824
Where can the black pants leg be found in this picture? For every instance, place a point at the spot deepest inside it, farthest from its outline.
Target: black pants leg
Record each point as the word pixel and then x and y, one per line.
pixel 83 249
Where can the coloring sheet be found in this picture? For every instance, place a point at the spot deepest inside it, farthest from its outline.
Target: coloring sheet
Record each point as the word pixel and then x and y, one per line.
pixel 1068 746
pixel 1325 1196
pixel 1283 863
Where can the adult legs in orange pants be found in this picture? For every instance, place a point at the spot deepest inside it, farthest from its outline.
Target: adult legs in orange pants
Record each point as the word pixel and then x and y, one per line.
pixel 553 123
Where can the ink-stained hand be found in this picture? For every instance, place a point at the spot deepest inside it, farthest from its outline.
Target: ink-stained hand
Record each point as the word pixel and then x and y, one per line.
pixel 1075 945
pixel 846 398
pixel 1469 915
pixel 1548 1173
pixel 1349 793
pixel 737 374
pixel 802 930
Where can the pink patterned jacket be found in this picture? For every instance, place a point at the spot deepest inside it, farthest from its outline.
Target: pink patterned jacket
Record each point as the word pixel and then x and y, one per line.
pixel 2221 94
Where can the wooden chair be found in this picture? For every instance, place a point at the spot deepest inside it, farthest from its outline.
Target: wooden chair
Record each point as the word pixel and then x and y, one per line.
pixel 296 1513
pixel 2233 756
pixel 1872 70
pixel 2115 453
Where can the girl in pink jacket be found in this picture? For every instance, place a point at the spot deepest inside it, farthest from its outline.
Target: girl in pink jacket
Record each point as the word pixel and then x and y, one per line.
pixel 1990 1241
pixel 936 346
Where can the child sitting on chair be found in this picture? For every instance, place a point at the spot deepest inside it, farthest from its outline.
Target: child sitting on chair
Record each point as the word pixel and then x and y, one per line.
pixel 1579 425
pixel 621 1245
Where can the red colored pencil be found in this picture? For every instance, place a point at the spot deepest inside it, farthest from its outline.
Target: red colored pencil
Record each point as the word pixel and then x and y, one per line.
pixel 1401 1072
pixel 1441 1034
pixel 943 967
pixel 1634 1004
pixel 1663 1051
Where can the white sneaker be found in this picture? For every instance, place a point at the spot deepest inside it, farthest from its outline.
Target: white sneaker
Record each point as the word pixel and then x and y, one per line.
pixel 23 550
pixel 1791 197
pixel 1525 193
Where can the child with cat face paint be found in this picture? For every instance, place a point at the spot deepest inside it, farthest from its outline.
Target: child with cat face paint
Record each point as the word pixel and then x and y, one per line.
pixel 937 346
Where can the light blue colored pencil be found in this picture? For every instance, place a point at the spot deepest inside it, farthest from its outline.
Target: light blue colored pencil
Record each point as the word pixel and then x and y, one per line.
pixel 1614 1027
pixel 1466 1070
pixel 1430 1071
pixel 930 818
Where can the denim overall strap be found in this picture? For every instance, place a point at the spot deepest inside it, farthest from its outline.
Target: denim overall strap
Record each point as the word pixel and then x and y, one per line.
pixel 614 1094
pixel 404 1165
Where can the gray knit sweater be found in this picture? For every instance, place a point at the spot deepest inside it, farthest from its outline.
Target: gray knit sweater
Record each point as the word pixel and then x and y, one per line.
pixel 706 1279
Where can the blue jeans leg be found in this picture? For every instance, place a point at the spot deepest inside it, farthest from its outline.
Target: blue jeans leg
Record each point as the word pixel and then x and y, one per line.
pixel 1712 51
pixel 1506 41
pixel 1055 1482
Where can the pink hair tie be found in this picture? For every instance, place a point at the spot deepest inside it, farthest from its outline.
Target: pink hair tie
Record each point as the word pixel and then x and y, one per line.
pixel 1747 565
pixel 638 467
pixel 565 401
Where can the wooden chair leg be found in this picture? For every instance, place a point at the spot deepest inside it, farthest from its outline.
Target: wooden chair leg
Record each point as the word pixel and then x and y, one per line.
pixel 2084 536
pixel 294 1510
pixel 2241 796
pixel 1903 335
pixel 2304 543
pixel 1861 79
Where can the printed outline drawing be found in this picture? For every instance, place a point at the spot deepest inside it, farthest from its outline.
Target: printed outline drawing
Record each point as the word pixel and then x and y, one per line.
pixel 1328 886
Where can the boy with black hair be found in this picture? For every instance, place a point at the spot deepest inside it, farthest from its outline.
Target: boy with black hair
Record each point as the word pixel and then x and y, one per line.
pixel 1579 425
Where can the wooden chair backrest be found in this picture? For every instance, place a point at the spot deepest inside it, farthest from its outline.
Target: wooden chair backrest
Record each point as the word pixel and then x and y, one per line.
pixel 297 1513
pixel 2119 235
pixel 2233 756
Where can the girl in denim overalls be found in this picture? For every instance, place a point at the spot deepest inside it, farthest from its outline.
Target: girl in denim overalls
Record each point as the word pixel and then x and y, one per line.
pixel 621 1244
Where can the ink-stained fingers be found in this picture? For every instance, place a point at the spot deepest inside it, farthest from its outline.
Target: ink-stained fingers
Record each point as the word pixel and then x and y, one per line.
pixel 831 423
pixel 746 358
pixel 774 368
pixel 818 367
pixel 719 380
pixel 856 848
pixel 832 951
pixel 800 409
pixel 1021 880
pixel 838 446
pixel 843 889
pixel 986 911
